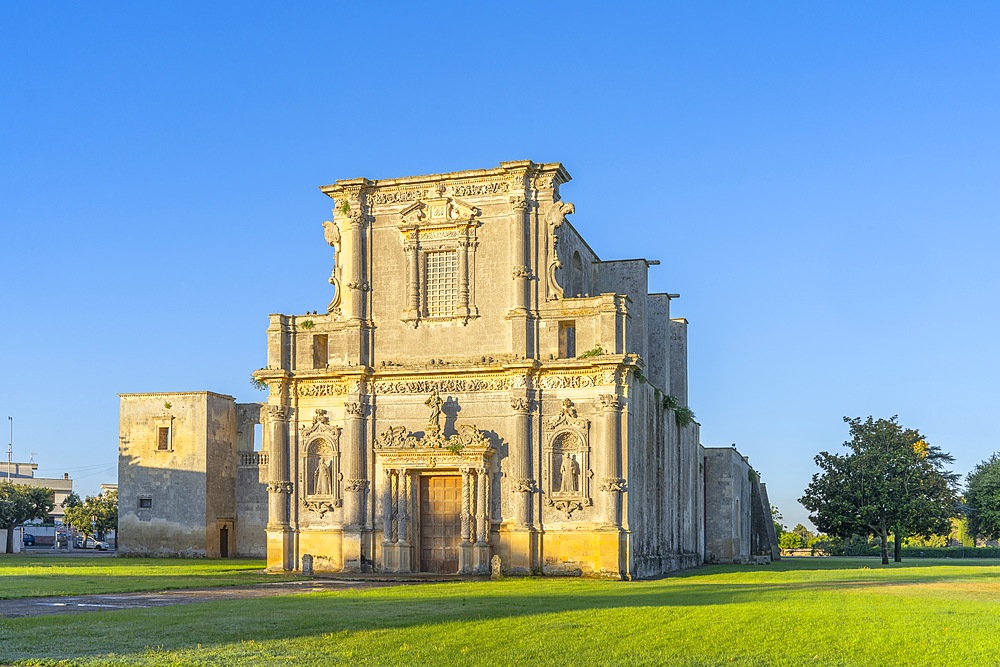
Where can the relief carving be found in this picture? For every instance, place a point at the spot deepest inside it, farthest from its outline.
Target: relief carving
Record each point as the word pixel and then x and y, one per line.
pixel 355 409
pixel 567 416
pixel 524 485
pixel 480 189
pixel 554 219
pixel 451 385
pixel 331 232
pixel 277 412
pixel 355 485
pixel 279 487
pixel 613 484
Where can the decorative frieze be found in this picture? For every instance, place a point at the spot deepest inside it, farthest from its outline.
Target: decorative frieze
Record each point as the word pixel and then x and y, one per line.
pixel 523 485
pixel 480 189
pixel 613 484
pixel 355 485
pixel 280 487
pixel 444 385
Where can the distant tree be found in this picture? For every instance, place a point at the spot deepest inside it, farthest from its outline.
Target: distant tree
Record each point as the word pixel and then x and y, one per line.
pixel 803 532
pixel 891 482
pixel 982 498
pixel 94 516
pixel 19 504
pixel 791 541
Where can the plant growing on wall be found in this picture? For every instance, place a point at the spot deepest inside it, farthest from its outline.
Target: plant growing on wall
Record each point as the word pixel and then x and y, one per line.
pixel 684 416
pixel 307 324
pixel 259 385
pixel 596 352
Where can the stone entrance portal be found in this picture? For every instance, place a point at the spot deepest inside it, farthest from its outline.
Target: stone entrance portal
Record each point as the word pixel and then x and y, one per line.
pixel 435 491
pixel 440 523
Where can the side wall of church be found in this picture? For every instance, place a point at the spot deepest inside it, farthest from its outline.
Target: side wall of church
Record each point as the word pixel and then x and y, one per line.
pixel 251 484
pixel 727 505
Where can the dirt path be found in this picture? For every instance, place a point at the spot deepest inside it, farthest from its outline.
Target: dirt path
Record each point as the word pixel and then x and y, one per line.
pixel 70 604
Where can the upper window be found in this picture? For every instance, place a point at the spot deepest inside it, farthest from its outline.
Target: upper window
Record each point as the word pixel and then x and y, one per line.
pixel 442 283
pixel 163 438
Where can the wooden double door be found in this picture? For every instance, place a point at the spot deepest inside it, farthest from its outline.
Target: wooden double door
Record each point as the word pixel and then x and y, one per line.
pixel 440 522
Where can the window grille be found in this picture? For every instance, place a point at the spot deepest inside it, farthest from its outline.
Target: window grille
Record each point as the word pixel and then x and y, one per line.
pixel 442 283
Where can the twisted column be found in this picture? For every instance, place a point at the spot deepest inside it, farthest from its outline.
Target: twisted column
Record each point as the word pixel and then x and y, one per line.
pixel 466 505
pixel 405 501
pixel 387 507
pixel 482 507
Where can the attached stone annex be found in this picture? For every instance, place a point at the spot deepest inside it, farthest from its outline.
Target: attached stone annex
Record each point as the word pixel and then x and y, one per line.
pixel 482 384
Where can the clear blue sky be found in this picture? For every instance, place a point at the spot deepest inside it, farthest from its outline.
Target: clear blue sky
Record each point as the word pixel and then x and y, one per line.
pixel 820 181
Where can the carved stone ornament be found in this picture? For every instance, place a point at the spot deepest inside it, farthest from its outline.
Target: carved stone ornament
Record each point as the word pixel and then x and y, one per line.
pixel 322 506
pixel 567 417
pixel 468 435
pixel 520 272
pixel 331 232
pixel 608 402
pixel 520 405
pixel 524 485
pixel 613 484
pixel 554 219
pixel 355 409
pixel 277 412
pixel 567 507
pixel 518 204
pixel 356 485
pixel 280 487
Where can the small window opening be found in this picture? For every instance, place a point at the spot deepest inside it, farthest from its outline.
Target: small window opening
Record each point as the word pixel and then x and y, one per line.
pixel 163 438
pixel 258 437
pixel 321 350
pixel 567 340
pixel 145 502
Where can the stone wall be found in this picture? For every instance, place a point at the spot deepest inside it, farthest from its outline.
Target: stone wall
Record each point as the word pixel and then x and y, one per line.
pixel 727 506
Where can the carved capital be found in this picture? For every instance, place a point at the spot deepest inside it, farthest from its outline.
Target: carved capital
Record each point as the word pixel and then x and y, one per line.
pixel 357 218
pixel 520 272
pixel 525 485
pixel 518 204
pixel 608 402
pixel 277 412
pixel 521 405
pixel 355 409
pixel 613 484
pixel 356 485
pixel 280 487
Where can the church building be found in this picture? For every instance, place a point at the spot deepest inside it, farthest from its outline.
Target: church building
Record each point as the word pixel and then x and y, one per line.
pixel 481 384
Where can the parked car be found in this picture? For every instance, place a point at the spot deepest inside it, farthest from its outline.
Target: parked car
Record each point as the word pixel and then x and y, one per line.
pixel 90 543
pixel 29 540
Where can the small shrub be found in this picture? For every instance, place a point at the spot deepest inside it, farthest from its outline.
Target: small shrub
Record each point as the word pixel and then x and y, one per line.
pixel 307 324
pixel 259 385
pixel 596 352
pixel 684 416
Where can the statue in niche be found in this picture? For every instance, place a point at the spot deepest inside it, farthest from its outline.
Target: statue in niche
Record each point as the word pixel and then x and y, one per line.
pixel 434 402
pixel 331 232
pixel 322 478
pixel 569 473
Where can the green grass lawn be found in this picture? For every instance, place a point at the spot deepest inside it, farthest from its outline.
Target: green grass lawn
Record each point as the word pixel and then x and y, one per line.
pixel 797 612
pixel 36 576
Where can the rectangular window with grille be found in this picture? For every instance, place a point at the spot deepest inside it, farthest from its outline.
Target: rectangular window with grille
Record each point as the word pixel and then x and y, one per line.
pixel 163 438
pixel 442 283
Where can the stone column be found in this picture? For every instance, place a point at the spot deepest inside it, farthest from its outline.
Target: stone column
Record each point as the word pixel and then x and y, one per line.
pixel 403 514
pixel 279 487
pixel 355 485
pixel 612 484
pixel 356 482
pixel 482 507
pixel 357 283
pixel 520 271
pixel 463 278
pixel 466 505
pixel 387 507
pixel 523 485
pixel 413 284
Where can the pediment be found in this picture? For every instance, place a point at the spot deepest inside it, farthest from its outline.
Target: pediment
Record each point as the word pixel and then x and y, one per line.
pixel 438 211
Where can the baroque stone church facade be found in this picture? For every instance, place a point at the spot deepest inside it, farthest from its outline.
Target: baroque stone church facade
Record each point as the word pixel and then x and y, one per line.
pixel 483 385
